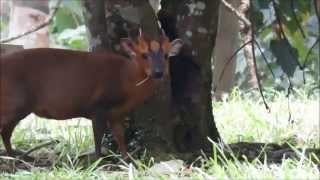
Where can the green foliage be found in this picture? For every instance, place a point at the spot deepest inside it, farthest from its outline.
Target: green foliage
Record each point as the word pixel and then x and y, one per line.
pixel 68 29
pixel 73 38
pixel 287 56
pixel 68 16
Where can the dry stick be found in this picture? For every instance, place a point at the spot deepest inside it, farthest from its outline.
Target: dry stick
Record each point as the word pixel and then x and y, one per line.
pixel 252 41
pixel 265 58
pixel 246 22
pixel 255 63
pixel 288 103
pixel 16 159
pixel 47 22
pixel 276 10
pixel 307 57
pixel 288 97
pixel 237 13
pixel 38 147
pixel 231 57
pixel 309 52
pixel 257 75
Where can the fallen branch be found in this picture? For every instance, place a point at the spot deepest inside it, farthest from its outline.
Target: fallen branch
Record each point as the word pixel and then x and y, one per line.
pixel 47 22
pixel 38 147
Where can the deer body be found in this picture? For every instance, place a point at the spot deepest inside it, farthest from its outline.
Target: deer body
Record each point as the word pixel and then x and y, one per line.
pixel 63 84
pixel 78 82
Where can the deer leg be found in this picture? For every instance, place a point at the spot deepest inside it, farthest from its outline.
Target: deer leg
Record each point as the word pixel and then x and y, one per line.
pixel 99 125
pixel 118 134
pixel 13 109
pixel 6 134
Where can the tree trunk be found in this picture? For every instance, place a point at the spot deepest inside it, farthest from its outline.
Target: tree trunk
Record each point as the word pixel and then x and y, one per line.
pixel 24 16
pixel 196 23
pixel 95 16
pixel 246 33
pixel 168 122
pixel 226 44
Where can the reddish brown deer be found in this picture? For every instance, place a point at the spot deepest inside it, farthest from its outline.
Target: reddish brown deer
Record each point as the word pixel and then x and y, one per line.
pixel 63 84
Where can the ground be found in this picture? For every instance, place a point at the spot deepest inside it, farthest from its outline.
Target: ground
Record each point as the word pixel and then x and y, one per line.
pixel 242 117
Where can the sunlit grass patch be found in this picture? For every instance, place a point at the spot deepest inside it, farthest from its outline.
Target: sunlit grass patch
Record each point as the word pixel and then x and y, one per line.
pixel 246 119
pixel 75 135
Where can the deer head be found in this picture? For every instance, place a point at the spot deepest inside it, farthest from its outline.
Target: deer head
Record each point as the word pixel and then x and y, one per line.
pixel 152 55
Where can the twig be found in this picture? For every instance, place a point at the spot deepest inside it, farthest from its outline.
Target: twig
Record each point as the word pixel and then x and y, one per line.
pixel 265 58
pixel 231 57
pixel 309 52
pixel 44 24
pixel 237 13
pixel 37 147
pixel 16 159
pixel 255 64
pixel 288 97
pixel 307 58
pixel 288 103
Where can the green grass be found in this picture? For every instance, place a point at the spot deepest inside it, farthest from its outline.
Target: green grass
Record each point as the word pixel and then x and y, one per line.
pixel 241 118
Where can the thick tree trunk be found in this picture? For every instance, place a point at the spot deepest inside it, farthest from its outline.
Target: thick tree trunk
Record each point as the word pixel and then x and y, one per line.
pixel 226 43
pixel 196 23
pixel 168 122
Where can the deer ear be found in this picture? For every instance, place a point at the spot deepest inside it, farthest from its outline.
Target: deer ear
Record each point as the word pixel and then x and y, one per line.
pixel 176 46
pixel 128 46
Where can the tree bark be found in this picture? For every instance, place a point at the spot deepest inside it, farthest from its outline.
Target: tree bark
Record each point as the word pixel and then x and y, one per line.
pixel 246 33
pixel 196 23
pixel 169 123
pixel 94 14
pixel 226 44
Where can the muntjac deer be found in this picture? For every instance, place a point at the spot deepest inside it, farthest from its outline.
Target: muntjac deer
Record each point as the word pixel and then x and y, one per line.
pixel 63 84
